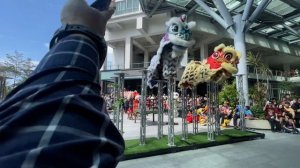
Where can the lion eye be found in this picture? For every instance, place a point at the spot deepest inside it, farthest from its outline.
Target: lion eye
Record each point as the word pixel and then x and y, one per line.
pixel 215 55
pixel 174 28
pixel 228 56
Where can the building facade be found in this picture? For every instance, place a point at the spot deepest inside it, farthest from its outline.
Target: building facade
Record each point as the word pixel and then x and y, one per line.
pixel 134 37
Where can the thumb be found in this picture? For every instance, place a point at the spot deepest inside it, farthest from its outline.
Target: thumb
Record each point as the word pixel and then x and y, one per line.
pixel 71 9
pixel 111 10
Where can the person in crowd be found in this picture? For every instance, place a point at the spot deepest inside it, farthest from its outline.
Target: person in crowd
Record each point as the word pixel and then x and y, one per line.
pixel 225 113
pixel 289 124
pixel 189 117
pixel 296 107
pixel 271 117
pixel 126 104
pixel 289 110
pixel 248 114
pixel 57 118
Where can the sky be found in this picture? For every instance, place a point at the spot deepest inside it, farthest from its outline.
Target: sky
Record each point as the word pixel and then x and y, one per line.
pixel 27 26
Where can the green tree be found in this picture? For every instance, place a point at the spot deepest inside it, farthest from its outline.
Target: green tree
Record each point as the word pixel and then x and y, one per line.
pixel 260 69
pixel 229 93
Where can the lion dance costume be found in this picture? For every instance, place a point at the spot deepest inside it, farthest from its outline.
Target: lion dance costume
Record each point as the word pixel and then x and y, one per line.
pixel 217 68
pixel 171 50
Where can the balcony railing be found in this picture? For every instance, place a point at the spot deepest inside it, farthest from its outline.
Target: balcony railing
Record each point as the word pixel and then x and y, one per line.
pixel 127 6
pixel 114 67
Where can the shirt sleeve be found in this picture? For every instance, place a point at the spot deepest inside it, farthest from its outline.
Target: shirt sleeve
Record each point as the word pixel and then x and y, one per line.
pixel 57 118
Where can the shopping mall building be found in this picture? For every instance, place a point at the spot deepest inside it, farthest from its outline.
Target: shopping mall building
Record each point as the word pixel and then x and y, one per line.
pixel 135 31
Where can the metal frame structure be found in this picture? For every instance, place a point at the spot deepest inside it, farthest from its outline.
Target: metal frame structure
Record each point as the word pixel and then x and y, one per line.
pixel 115 112
pixel 120 96
pixel 241 102
pixel 183 114
pixel 210 114
pixel 160 109
pixel 194 108
pixel 171 90
pixel 213 117
pixel 143 108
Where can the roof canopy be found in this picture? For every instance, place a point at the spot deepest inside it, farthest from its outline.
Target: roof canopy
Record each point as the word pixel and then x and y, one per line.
pixel 280 20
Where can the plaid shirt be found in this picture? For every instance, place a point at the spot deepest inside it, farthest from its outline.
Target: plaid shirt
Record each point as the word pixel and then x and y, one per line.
pixel 56 118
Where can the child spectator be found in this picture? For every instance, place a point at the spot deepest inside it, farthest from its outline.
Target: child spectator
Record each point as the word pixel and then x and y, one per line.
pixel 226 113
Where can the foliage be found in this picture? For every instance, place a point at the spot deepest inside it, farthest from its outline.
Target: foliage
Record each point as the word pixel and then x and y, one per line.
pixel 258 93
pixel 229 93
pixel 17 67
pixel 118 101
pixel 257 111
pixel 287 86
pixel 259 68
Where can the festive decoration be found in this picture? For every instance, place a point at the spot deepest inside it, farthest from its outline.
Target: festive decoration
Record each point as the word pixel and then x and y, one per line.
pixel 171 50
pixel 217 67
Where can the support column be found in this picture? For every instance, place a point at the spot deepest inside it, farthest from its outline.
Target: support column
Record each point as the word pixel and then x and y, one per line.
pixel 171 89
pixel 241 102
pixel 210 115
pixel 194 104
pixel 216 112
pixel 128 52
pixel 115 112
pixel 239 44
pixel 143 108
pixel 203 50
pixel 286 69
pixel 146 59
pixel 184 59
pixel 120 99
pixel 183 115
pixel 160 109
pixel 116 103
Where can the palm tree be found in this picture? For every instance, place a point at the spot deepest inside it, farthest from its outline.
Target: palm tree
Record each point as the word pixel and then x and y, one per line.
pixel 260 68
pixel 255 62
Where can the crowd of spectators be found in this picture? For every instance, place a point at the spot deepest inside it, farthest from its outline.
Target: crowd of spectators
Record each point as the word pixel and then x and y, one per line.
pixel 282 117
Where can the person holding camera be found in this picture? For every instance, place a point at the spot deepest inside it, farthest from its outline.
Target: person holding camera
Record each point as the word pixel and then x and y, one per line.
pixel 57 118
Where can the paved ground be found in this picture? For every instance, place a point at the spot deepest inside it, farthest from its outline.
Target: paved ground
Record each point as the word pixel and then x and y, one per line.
pixel 277 150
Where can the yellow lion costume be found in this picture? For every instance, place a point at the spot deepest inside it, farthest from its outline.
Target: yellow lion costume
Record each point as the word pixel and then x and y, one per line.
pixel 218 67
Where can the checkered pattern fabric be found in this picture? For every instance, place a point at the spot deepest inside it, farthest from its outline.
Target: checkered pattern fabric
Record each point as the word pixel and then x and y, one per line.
pixel 56 118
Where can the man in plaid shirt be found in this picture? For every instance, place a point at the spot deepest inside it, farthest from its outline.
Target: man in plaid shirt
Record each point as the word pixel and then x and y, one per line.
pixel 57 118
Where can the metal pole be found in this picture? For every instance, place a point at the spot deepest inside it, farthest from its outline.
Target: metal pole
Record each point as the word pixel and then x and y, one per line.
pixel 115 114
pixel 213 14
pixel 258 10
pixel 184 112
pixel 171 89
pixel 210 118
pixel 239 43
pixel 195 116
pixel 241 102
pixel 143 108
pixel 216 112
pixel 121 98
pixel 224 11
pixel 160 109
pixel 247 10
